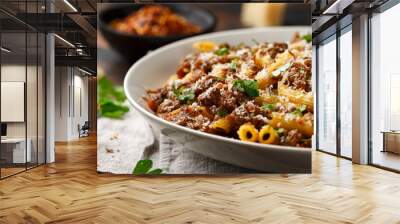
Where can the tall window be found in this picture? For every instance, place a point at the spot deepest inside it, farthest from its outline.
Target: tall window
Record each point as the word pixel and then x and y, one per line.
pixel 327 96
pixel 346 93
pixel 385 89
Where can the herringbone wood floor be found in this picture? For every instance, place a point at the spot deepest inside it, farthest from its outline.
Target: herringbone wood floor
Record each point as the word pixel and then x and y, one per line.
pixel 70 191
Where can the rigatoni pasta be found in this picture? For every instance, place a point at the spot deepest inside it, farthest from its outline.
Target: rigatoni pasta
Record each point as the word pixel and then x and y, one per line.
pixel 248 132
pixel 259 93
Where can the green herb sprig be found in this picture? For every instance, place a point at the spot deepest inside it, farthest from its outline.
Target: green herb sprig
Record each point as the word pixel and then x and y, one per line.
pixel 307 37
pixel 110 99
pixel 144 167
pixel 300 110
pixel 222 51
pixel 222 112
pixel 268 106
pixel 250 87
pixel 184 94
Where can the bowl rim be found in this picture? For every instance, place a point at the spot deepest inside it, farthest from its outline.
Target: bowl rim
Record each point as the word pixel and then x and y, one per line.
pixel 105 26
pixel 167 47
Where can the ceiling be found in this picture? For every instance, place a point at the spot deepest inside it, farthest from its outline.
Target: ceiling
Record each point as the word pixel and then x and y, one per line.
pixel 73 20
pixel 328 16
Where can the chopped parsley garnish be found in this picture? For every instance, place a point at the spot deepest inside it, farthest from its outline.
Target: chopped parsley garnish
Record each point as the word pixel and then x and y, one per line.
pixel 307 37
pixel 184 94
pixel 222 51
pixel 280 130
pixel 234 64
pixel 268 106
pixel 222 112
pixel 300 110
pixel 110 99
pixel 250 87
pixel 112 109
pixel 280 70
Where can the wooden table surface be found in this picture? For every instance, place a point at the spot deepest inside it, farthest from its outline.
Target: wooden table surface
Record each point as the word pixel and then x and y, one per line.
pixel 71 191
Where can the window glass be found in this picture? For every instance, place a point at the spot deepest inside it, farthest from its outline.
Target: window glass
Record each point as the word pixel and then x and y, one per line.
pixel 327 96
pixel 385 89
pixel 15 149
pixel 346 94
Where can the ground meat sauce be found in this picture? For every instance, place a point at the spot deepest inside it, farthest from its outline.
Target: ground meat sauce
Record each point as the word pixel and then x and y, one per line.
pixel 298 77
pixel 221 83
pixel 155 20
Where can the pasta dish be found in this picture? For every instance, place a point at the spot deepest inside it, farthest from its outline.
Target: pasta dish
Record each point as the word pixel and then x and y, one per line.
pixel 260 93
pixel 155 20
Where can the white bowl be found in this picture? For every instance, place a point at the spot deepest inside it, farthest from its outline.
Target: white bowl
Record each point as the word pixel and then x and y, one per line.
pixel 155 68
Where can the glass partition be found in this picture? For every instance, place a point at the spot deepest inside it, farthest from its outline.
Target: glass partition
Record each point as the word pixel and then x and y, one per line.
pixel 385 89
pixel 15 150
pixel 23 89
pixel 326 82
pixel 346 93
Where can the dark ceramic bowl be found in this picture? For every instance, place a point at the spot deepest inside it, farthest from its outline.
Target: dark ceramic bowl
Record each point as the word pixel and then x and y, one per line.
pixel 131 46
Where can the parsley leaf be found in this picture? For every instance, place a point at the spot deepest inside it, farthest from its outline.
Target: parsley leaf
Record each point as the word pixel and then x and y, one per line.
pixel 268 106
pixel 280 130
pixel 112 109
pixel 234 65
pixel 307 37
pixel 222 51
pixel 144 166
pixel 184 94
pixel 106 88
pixel 110 99
pixel 155 172
pixel 250 87
pixel 300 110
pixel 222 112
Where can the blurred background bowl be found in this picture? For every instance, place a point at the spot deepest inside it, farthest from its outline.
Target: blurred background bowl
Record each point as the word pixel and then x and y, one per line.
pixel 132 46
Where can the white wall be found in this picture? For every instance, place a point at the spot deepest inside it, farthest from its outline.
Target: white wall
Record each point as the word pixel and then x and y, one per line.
pixel 12 73
pixel 71 94
pixel 61 114
pixel 33 127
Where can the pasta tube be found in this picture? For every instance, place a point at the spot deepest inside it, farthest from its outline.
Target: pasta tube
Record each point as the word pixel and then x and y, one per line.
pixel 268 135
pixel 204 46
pixel 265 79
pixel 296 96
pixel 263 99
pixel 222 124
pixel 281 60
pixel 190 77
pixel 262 59
pixel 171 115
pixel 247 132
pixel 290 122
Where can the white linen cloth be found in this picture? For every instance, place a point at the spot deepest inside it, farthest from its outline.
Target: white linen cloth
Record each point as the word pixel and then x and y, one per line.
pixel 121 143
